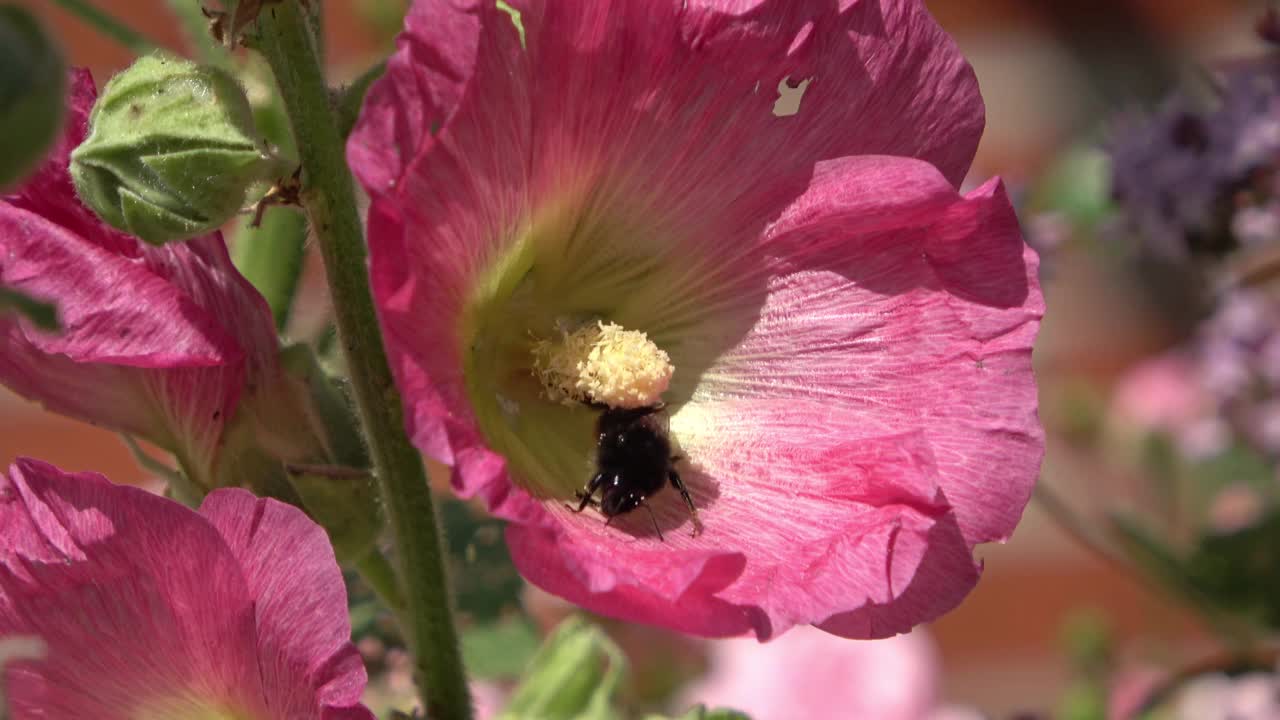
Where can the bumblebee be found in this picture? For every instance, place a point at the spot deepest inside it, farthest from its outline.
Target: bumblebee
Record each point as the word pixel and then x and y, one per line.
pixel 633 461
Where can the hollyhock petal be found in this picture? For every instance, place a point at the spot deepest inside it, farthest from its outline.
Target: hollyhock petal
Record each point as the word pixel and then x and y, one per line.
pixel 139 602
pixel 147 611
pixel 852 397
pixel 882 65
pixel 160 342
pixel 798 538
pixel 900 306
pixel 304 627
pixel 111 308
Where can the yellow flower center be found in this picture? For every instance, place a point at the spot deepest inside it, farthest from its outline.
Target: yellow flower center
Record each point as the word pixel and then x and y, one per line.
pixel 603 364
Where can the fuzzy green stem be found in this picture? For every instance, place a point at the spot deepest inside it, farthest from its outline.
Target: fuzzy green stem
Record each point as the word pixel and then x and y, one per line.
pixel 1066 519
pixel 107 25
pixel 329 198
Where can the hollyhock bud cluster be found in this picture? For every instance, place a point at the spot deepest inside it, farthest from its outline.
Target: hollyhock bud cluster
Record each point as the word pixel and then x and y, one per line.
pixel 140 607
pixel 170 344
pixel 161 343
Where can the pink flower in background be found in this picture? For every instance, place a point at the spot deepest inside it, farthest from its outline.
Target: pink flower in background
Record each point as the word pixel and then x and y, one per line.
pixel 852 401
pixel 811 674
pixel 1166 394
pixel 1129 691
pixel 159 342
pixel 1162 394
pixel 150 610
pixel 1210 696
pixel 1253 696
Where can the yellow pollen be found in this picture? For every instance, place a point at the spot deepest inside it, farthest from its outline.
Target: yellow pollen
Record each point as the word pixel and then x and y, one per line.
pixel 602 364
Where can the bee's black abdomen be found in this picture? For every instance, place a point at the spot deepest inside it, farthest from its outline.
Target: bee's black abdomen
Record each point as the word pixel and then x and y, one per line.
pixel 633 461
pixel 633 445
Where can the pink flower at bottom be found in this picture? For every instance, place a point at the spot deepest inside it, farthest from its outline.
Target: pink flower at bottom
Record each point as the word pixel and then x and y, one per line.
pixel 147 609
pixel 811 674
pixel 852 404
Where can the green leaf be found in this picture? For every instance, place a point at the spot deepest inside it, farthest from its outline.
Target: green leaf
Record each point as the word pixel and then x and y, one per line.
pixel 1233 573
pixel 1083 701
pixel 1150 553
pixel 486 584
pixel 1077 184
pixel 499 650
pixel 42 314
pixel 196 29
pixel 573 677
pixel 32 94
pixel 336 413
pixel 1239 571
pixel 351 100
pixel 272 256
pixel 1087 640
pixel 1233 466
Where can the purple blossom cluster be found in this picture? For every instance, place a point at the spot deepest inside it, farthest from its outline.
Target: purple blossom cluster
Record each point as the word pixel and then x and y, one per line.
pixel 1238 353
pixel 1196 184
pixel 1196 177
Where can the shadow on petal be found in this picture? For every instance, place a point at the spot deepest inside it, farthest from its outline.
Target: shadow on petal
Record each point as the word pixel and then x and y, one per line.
pixel 945 575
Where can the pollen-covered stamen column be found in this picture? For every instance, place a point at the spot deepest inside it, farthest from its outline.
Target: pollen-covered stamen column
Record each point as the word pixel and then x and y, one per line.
pixel 328 196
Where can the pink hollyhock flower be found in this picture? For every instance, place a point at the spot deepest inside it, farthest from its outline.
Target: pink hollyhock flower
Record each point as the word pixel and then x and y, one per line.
pixel 1167 394
pixel 842 341
pixel 811 674
pixel 1211 696
pixel 159 342
pixel 150 610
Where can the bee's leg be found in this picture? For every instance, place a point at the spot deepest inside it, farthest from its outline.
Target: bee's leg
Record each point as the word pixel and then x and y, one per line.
pixel 587 497
pixel 652 517
pixel 678 484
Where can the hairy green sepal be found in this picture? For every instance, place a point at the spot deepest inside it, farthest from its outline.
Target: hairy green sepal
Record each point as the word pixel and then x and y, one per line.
pixel 573 677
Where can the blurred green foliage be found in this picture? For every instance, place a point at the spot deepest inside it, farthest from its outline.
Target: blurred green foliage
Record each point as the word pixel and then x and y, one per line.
pixel 32 86
pixel 574 676
pixel 42 314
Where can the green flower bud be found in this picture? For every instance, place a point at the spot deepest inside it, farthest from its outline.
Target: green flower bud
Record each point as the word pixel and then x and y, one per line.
pixel 574 676
pixel 171 150
pixel 32 90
